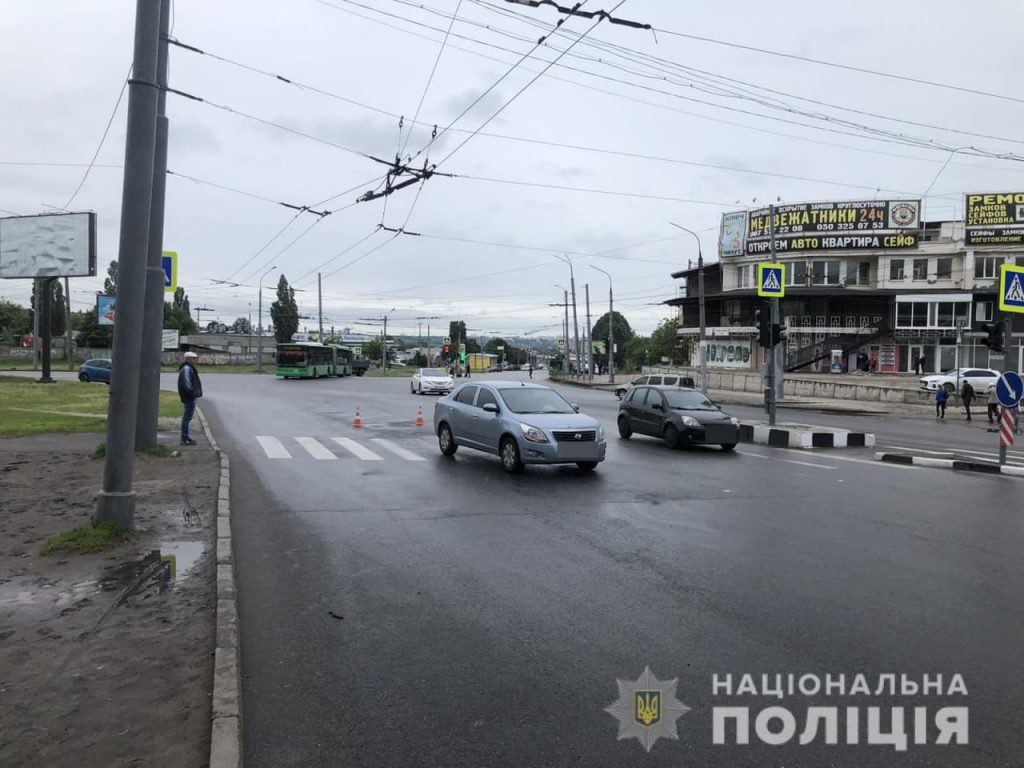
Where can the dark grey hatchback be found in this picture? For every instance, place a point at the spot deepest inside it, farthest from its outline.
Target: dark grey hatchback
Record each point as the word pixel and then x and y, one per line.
pixel 678 416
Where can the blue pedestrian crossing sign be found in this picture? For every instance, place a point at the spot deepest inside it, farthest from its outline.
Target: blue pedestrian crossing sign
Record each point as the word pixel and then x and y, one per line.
pixel 169 261
pixel 771 280
pixel 1009 389
pixel 1011 288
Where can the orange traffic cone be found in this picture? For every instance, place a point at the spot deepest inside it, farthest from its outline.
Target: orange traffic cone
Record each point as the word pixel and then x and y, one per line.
pixel 419 417
pixel 357 422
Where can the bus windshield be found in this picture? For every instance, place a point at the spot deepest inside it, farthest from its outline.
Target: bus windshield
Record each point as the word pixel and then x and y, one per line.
pixel 291 356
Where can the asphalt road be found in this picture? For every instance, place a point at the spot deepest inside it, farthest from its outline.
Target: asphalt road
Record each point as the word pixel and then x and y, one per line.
pixel 412 610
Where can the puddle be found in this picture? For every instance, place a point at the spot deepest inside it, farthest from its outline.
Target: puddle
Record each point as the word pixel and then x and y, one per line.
pixel 182 556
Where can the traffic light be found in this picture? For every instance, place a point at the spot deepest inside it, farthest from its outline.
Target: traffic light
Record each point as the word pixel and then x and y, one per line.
pixel 447 350
pixel 778 334
pixel 763 321
pixel 994 336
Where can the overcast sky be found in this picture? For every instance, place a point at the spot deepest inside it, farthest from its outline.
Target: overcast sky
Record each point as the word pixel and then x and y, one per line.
pixel 619 90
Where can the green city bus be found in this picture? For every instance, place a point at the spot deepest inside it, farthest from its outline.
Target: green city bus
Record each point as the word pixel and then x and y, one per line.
pixel 342 360
pixel 305 360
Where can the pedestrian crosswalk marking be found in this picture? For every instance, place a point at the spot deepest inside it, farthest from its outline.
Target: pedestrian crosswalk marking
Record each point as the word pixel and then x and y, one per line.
pixel 1014 292
pixel 273 447
pixel 356 449
pixel 315 449
pixel 397 449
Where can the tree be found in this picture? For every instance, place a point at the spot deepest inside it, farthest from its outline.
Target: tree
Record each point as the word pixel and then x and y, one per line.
pixel 177 318
pixel 110 282
pixel 665 342
pixel 180 300
pixel 241 325
pixel 371 349
pixel 58 307
pixel 284 312
pixel 623 333
pixel 15 320
pixel 91 334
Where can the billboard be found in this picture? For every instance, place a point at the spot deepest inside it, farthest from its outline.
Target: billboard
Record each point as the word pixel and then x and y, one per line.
pixel 995 218
pixel 48 245
pixel 106 308
pixel 171 339
pixel 732 234
pixel 834 226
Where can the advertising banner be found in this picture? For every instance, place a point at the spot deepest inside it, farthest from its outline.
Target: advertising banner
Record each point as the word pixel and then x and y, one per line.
pixel 835 226
pixel 106 307
pixel 733 234
pixel 729 354
pixel 995 218
pixel 171 339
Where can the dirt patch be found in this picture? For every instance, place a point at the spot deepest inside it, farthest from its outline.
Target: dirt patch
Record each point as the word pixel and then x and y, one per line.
pixel 105 659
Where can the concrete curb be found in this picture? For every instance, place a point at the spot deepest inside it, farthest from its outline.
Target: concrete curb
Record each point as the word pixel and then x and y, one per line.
pixel 787 437
pixel 986 467
pixel 226 714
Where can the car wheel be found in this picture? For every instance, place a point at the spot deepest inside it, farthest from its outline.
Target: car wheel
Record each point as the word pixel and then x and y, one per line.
pixel 949 387
pixel 587 466
pixel 625 431
pixel 419 389
pixel 671 436
pixel 83 377
pixel 510 459
pixel 412 389
pixel 446 441
pixel 728 446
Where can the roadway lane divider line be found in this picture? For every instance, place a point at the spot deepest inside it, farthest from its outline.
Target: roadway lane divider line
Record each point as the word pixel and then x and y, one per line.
pixel 397 449
pixel 788 461
pixel 316 449
pixel 273 447
pixel 985 455
pixel 356 449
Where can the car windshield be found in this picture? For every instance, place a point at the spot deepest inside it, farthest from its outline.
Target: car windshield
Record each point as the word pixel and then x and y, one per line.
pixel 691 401
pixel 433 372
pixel 531 400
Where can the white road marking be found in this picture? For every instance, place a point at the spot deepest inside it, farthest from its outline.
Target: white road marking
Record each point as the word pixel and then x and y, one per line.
pixel 397 449
pixel 273 447
pixel 356 449
pixel 315 449
pixel 788 461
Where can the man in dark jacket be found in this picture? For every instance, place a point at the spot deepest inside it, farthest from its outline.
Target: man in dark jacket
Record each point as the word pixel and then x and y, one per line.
pixel 967 395
pixel 190 389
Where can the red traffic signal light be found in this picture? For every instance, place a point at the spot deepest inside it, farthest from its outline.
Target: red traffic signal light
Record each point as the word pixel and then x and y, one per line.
pixel 447 349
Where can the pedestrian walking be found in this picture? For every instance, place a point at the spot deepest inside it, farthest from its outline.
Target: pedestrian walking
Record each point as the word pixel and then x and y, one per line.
pixel 993 406
pixel 940 402
pixel 873 364
pixel 467 369
pixel 530 368
pixel 190 389
pixel 967 395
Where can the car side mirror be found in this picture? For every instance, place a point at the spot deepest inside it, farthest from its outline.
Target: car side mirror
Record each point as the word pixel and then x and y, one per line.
pixel 490 407
pixel 575 407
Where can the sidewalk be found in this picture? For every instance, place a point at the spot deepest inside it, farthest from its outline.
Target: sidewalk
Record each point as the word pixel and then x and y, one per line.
pixel 106 657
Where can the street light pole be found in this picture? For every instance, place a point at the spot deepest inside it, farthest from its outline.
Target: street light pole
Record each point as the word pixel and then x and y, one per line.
pixel 700 310
pixel 259 316
pixel 611 331
pixel 575 323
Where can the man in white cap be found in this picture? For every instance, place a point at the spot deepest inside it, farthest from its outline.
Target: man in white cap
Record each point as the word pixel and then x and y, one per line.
pixel 190 389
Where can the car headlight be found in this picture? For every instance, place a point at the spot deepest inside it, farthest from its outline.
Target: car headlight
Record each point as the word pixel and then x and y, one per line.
pixel 735 421
pixel 689 421
pixel 533 434
pixel 600 434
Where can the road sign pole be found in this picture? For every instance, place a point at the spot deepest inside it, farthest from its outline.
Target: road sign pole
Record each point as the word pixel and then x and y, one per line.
pixel 774 304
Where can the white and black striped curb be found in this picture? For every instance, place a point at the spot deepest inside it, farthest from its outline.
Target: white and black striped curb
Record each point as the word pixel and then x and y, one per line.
pixel 226 715
pixel 986 467
pixel 788 437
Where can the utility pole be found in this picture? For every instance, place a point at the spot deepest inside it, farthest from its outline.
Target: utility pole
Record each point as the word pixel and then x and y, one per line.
pixel 320 305
pixel 703 344
pixel 116 502
pixel 38 283
pixel 198 311
pixel 590 341
pixel 611 330
pixel 769 392
pixel 428 318
pixel 1006 366
pixel 43 310
pixel 259 315
pixel 153 313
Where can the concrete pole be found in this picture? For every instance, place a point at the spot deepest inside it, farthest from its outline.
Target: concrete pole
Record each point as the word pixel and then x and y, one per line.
pixel 116 502
pixel 575 324
pixel 774 303
pixel 43 310
pixel 153 321
pixel 320 305
pixel 35 325
pixel 565 334
pixel 259 315
pixel 590 341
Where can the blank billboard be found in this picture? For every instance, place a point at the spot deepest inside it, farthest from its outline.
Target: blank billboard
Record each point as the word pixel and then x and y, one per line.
pixel 48 245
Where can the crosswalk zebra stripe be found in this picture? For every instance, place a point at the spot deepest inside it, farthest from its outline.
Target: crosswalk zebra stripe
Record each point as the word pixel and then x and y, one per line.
pixel 397 449
pixel 356 449
pixel 273 447
pixel 315 449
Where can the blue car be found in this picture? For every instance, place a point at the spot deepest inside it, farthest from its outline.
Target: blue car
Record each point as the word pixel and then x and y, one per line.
pixel 521 423
pixel 95 370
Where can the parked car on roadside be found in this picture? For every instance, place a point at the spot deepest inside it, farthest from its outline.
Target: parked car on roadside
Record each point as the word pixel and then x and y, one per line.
pixel 678 416
pixel 953 381
pixel 656 379
pixel 97 369
pixel 431 380
pixel 522 423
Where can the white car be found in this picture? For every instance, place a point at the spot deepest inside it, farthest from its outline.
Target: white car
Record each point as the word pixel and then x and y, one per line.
pixel 431 380
pixel 953 381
